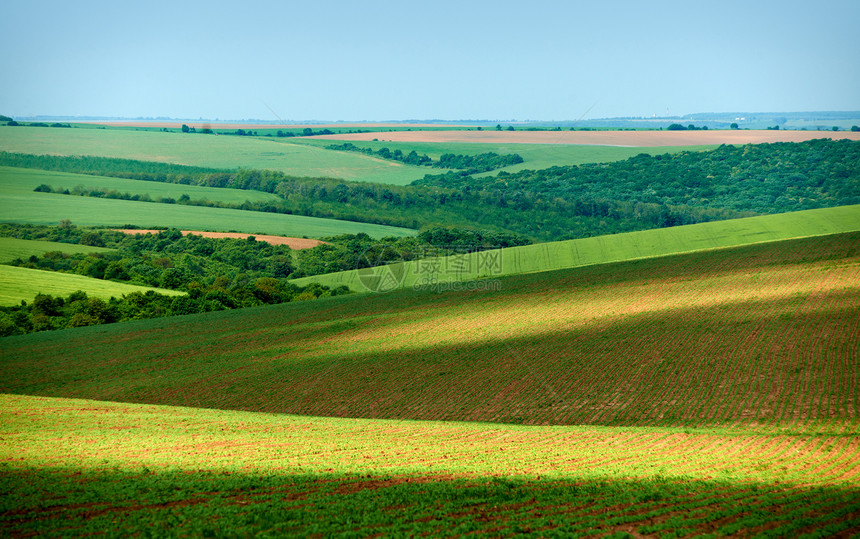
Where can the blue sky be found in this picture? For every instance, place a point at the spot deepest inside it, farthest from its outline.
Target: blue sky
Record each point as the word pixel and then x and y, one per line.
pixel 385 60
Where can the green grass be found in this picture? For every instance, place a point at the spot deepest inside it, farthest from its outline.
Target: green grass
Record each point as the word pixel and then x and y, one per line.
pixel 17 284
pixel 535 156
pixel 12 248
pixel 207 150
pixel 596 250
pixel 19 204
pixel 710 338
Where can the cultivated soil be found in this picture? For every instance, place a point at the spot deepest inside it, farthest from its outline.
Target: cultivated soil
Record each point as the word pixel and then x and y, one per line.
pixel 293 243
pixel 600 138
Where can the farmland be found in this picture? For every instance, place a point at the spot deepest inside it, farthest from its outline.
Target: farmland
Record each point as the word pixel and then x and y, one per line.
pixel 22 284
pixel 206 150
pixel 712 392
pixel 698 339
pixel 611 138
pixel 683 380
pixel 245 473
pixel 535 156
pixel 12 248
pixel 596 250
pixel 22 205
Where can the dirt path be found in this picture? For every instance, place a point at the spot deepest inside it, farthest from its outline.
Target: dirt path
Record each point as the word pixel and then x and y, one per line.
pixel 293 243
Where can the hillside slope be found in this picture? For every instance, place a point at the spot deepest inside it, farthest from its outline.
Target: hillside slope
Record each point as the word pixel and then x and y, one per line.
pixel 595 250
pixel 764 334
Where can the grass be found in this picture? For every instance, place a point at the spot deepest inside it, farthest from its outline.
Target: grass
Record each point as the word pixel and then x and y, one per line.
pixel 207 150
pixel 12 248
pixel 21 205
pixel 535 156
pixel 435 273
pixel 17 284
pixel 712 338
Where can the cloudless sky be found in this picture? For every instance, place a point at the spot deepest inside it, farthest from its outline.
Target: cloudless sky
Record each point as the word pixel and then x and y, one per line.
pixel 397 60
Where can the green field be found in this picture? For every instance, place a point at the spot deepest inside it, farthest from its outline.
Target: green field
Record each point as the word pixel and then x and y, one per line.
pixel 81 467
pixel 12 248
pixel 17 284
pixel 543 348
pixel 22 180
pixel 430 273
pixel 707 393
pixel 207 150
pixel 535 156
pixel 21 205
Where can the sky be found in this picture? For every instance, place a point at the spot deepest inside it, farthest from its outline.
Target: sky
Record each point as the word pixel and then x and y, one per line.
pixel 452 60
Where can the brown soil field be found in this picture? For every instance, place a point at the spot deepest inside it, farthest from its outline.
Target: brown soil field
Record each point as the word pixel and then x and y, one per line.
pixel 293 243
pixel 601 138
pixel 241 125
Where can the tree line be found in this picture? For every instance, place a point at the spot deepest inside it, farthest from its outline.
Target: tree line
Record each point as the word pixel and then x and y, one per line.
pixel 472 164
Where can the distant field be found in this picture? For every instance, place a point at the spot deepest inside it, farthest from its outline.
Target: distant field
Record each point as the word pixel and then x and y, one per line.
pixel 23 180
pixel 206 150
pixel 78 467
pixel 21 205
pixel 764 334
pixel 596 250
pixel 12 248
pixel 18 284
pixel 535 156
pixel 292 243
pixel 610 138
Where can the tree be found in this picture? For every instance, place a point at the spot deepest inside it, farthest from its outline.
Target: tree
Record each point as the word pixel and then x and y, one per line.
pixel 835 128
pixel 855 128
pixel 185 128
pixel 733 126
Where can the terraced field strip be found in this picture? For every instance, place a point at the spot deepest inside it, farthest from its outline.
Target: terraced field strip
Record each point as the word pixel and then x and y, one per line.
pixel 77 465
pixel 19 181
pixel 433 274
pixel 753 335
pixel 19 204
pixel 12 248
pixel 22 284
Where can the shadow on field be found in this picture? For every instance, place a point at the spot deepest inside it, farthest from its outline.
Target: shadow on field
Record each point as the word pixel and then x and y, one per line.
pixel 744 361
pixel 70 501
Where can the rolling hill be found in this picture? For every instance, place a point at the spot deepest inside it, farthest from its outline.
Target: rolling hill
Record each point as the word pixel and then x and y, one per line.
pixel 697 339
pixel 435 273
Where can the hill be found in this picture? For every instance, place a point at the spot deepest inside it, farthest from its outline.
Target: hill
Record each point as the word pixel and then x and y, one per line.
pixel 22 284
pixel 695 339
pixel 434 273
